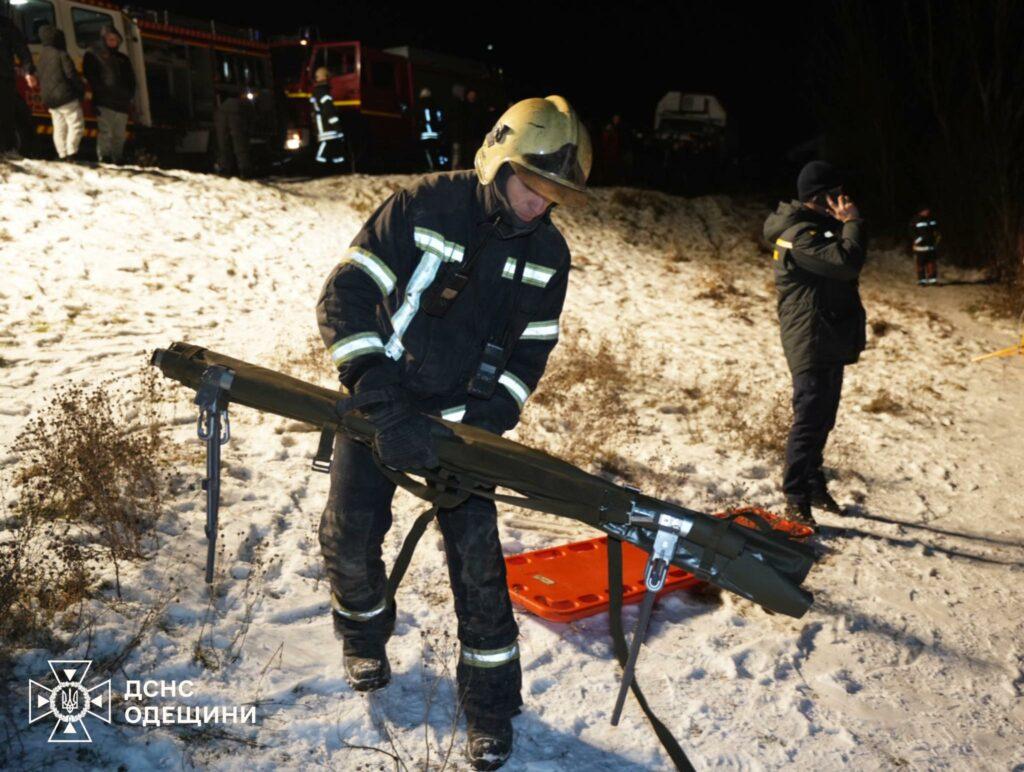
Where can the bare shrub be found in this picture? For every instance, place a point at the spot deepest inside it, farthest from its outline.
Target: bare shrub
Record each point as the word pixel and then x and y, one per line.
pixel 581 397
pixel 90 484
pixel 735 407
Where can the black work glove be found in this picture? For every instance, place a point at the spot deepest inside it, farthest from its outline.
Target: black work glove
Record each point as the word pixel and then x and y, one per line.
pixel 405 438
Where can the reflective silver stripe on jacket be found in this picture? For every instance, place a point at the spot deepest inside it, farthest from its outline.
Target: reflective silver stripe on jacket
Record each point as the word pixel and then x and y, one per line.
pixel 376 268
pixel 509 271
pixel 784 244
pixel 922 248
pixel 541 331
pixel 537 275
pixel 356 616
pixel 435 250
pixel 490 657
pixel 355 346
pixel 455 414
pixel 515 387
pixel 432 241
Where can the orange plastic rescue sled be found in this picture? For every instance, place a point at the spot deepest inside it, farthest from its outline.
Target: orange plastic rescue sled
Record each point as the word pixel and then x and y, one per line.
pixel 570 581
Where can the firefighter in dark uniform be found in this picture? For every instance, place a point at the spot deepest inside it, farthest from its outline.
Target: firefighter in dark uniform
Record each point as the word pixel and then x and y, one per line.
pixel 13 111
pixel 819 246
pixel 447 303
pixel 924 233
pixel 329 136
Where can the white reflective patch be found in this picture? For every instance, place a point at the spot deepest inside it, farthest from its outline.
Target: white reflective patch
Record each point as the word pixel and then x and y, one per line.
pixel 424 274
pixel 828 234
pixel 515 387
pixel 509 271
pixel 784 244
pixel 932 223
pixel 541 331
pixel 490 657
pixel 432 241
pixel 326 98
pixel 922 224
pixel 455 414
pixel 383 276
pixel 356 345
pixel 537 275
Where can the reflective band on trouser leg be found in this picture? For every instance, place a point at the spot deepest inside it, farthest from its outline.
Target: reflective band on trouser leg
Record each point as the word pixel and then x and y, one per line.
pixel 515 387
pixel 455 414
pixel 488 658
pixel 356 345
pixel 541 331
pixel 356 616
pixel 376 268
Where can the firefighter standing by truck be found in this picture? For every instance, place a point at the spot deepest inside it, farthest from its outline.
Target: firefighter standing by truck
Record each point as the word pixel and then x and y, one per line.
pixel 447 303
pixel 819 247
pixel 12 107
pixel 925 237
pixel 329 135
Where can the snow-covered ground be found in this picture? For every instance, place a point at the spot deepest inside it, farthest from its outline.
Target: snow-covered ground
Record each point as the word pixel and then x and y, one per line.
pixel 912 656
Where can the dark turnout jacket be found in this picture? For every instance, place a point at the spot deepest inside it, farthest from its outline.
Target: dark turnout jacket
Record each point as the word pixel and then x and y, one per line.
pixel 817 262
pixel 370 312
pixel 59 82
pixel 110 77
pixel 12 44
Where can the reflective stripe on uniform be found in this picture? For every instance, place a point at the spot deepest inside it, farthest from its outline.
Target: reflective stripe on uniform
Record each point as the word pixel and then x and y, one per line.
pixel 784 244
pixel 356 616
pixel 515 387
pixel 326 98
pixel 432 241
pixel 922 224
pixel 537 275
pixel 509 271
pixel 455 414
pixel 374 267
pixel 421 279
pixel 923 248
pixel 355 346
pixel 541 331
pixel 487 658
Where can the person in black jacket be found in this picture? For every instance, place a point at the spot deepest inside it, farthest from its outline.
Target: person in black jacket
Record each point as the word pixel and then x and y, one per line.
pixel 62 91
pixel 329 135
pixel 924 232
pixel 447 303
pixel 819 247
pixel 12 107
pixel 112 81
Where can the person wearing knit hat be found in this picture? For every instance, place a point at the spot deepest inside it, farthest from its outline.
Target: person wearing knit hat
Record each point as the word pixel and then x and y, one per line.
pixel 819 245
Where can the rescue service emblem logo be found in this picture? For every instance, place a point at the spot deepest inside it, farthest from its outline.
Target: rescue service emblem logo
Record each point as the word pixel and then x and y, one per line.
pixel 69 702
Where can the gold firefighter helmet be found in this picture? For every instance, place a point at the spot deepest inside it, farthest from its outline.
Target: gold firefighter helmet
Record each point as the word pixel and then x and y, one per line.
pixel 547 146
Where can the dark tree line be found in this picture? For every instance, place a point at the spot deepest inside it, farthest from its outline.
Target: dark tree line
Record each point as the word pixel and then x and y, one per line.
pixel 926 101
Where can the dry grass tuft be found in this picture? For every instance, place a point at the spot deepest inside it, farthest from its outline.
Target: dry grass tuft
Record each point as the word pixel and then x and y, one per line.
pixel 884 402
pixel 750 415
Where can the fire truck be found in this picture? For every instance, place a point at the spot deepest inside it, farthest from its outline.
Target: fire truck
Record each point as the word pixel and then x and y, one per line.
pixel 183 68
pixel 377 93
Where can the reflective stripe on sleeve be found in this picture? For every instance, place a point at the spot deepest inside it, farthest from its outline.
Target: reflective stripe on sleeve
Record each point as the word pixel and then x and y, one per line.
pixel 326 98
pixel 455 414
pixel 923 248
pixel 424 274
pixel 377 270
pixel 509 271
pixel 537 275
pixel 355 346
pixel 356 616
pixel 515 387
pixel 541 331
pixel 434 242
pixel 487 658
pixel 784 244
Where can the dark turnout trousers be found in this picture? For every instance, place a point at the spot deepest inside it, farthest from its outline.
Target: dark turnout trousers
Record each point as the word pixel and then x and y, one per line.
pixel 357 516
pixel 815 403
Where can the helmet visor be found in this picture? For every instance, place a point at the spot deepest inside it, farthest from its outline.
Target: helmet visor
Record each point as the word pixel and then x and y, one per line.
pixel 564 164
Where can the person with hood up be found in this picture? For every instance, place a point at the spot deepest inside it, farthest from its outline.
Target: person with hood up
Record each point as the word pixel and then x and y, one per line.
pixel 13 111
pixel 61 90
pixel 112 81
pixel 819 247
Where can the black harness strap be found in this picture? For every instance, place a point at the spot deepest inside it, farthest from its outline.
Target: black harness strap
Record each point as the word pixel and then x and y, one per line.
pixel 412 538
pixel 668 742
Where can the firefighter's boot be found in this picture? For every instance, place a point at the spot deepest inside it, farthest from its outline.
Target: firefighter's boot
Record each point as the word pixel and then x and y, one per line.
pixel 822 499
pixel 368 673
pixel 799 511
pixel 489 742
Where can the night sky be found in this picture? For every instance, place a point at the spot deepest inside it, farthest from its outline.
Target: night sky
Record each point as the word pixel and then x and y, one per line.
pixel 757 58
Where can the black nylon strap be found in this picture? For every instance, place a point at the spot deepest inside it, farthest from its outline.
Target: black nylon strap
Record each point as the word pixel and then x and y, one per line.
pixel 668 742
pixel 405 554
